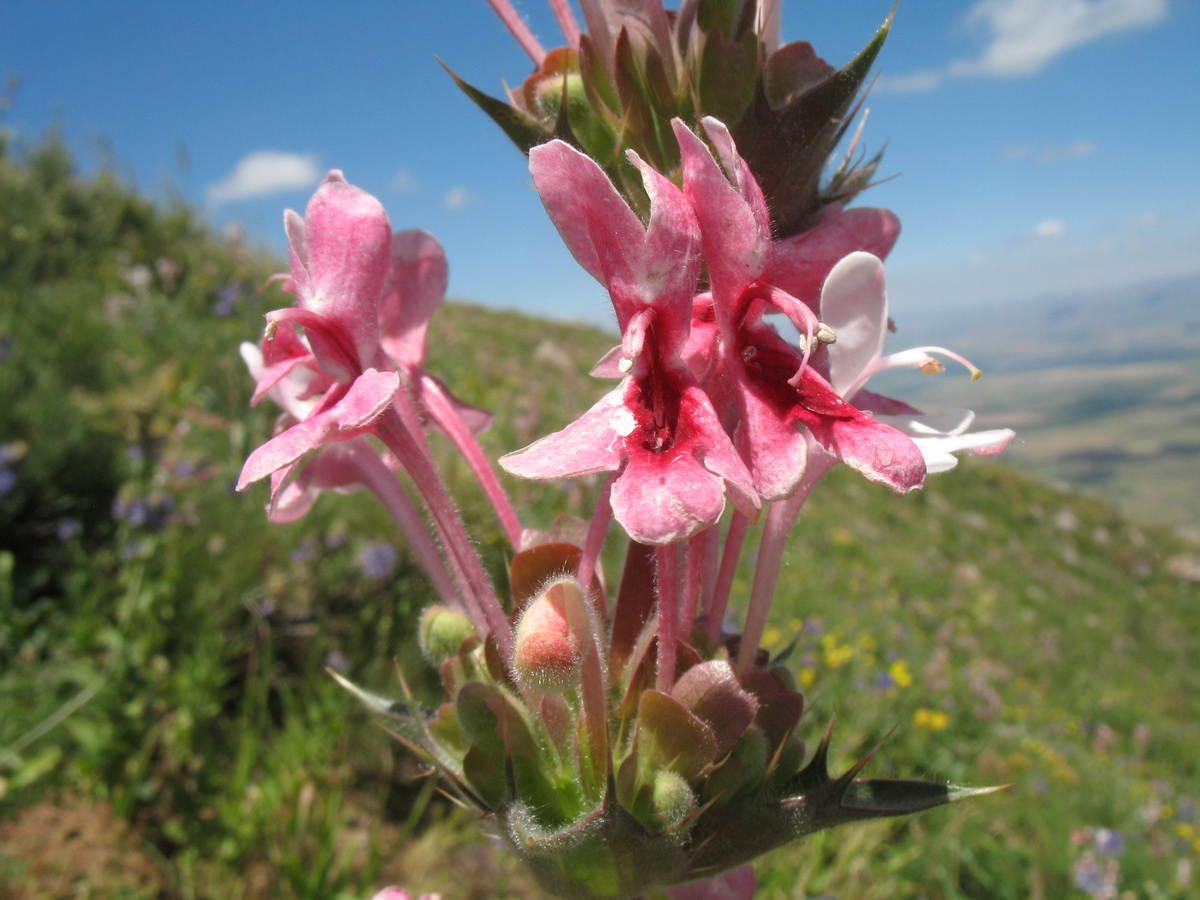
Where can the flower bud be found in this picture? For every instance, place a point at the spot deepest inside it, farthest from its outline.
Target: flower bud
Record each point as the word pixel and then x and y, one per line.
pixel 672 800
pixel 552 94
pixel 442 632
pixel 551 637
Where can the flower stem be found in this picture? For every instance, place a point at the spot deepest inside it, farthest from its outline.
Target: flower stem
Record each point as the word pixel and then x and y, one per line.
pixel 380 480
pixel 400 431
pixel 596 531
pixel 566 21
pixel 780 518
pixel 668 615
pixel 515 24
pixel 700 557
pixel 735 538
pixel 451 422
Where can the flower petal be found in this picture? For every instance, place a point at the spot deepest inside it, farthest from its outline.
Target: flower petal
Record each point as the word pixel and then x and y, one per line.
pixel 287 380
pixel 349 244
pixel 801 263
pixel 660 498
pixel 592 443
pixel 733 220
pixel 652 266
pixel 350 416
pixel 879 452
pixel 669 493
pixel 771 441
pixel 589 213
pixel 939 436
pixel 414 290
pixel 333 347
pixel 854 305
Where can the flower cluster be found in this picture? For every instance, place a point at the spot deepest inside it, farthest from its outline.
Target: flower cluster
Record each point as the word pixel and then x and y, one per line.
pixel 624 735
pixel 617 84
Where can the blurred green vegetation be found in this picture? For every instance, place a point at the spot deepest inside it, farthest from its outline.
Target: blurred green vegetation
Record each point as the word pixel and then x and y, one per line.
pixel 166 726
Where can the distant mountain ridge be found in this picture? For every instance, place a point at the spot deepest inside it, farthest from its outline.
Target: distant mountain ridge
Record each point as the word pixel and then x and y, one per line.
pixel 1103 388
pixel 1154 322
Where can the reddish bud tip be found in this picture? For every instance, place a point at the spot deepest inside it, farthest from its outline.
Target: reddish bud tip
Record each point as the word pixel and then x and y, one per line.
pixel 551 637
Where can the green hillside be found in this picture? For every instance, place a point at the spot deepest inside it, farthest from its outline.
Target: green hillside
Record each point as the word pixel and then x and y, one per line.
pixel 166 727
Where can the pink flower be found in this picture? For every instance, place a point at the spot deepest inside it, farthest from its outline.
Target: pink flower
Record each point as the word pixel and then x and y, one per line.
pixel 364 297
pixel 779 396
pixel 854 305
pixel 657 429
pixel 341 254
pixel 357 285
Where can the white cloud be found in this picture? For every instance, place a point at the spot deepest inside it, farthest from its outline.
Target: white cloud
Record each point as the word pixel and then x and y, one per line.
pixel 405 181
pixel 266 172
pixel 1026 35
pixel 1073 151
pixel 1050 228
pixel 1050 153
pixel 913 83
pixel 1148 219
pixel 458 198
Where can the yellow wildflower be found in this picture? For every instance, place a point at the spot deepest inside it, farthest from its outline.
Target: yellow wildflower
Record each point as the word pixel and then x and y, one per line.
pixel 899 673
pixel 933 719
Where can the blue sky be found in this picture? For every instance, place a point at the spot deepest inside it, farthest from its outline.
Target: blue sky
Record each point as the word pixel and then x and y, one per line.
pixel 1039 146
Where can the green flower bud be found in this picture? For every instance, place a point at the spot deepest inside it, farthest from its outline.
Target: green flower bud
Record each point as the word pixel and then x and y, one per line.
pixel 441 633
pixel 672 799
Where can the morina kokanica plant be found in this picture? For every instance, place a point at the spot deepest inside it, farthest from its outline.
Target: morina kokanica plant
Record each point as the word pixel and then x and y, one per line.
pixel 627 734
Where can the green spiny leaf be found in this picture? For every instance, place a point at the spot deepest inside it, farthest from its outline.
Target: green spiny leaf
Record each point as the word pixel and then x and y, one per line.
pixel 522 129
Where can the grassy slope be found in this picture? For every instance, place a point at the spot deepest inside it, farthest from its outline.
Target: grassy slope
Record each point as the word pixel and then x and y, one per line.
pixel 161 690
pixel 1056 637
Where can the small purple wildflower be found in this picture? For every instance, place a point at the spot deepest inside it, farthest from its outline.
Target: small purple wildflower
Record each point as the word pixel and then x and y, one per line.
pixel 134 512
pixel 151 515
pixel 1098 881
pixel 377 559
pixel 304 551
pixel 336 661
pixel 8 480
pixel 184 468
pixel 227 300
pixel 67 529
pixel 1109 842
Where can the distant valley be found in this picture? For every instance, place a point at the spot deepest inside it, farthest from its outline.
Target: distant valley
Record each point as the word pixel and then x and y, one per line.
pixel 1104 390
